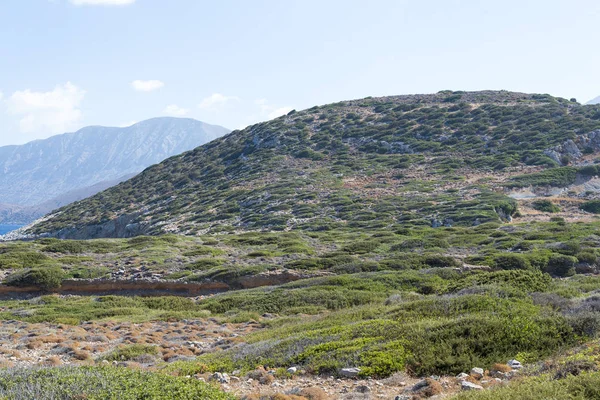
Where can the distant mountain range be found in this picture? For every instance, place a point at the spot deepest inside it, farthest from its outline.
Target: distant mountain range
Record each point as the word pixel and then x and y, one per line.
pixel 594 101
pixel 39 176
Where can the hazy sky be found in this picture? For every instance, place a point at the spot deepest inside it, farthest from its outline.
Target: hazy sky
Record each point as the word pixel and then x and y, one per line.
pixel 65 64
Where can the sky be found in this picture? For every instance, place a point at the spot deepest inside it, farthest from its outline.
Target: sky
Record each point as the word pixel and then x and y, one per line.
pixel 65 64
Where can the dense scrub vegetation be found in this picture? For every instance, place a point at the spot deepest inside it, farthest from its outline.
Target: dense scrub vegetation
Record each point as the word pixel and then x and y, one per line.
pixel 351 163
pixel 95 383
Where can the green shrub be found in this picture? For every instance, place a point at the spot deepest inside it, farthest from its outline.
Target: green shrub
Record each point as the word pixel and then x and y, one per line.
pixel 510 261
pixel 592 206
pixel 561 265
pixel 44 278
pixel 545 206
pixel 131 352
pixel 98 383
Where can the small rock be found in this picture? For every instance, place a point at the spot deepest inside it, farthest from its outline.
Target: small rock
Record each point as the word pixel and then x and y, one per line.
pixel 500 375
pixel 466 385
pixel 292 370
pixel 403 397
pixel 514 364
pixel 462 376
pixel 350 372
pixel 219 377
pixel 419 385
pixel 362 389
pixel 477 373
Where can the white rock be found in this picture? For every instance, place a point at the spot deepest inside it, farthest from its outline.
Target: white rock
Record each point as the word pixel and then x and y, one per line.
pixel 350 372
pixel 466 385
pixel 477 372
pixel 462 376
pixel 514 364
pixel 292 370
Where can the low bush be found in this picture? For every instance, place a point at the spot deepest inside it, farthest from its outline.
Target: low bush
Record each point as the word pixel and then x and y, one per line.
pixel 545 206
pixel 44 278
pixel 592 206
pixel 98 383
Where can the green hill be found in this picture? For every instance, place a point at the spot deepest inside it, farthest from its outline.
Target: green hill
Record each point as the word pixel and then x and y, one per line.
pixel 447 158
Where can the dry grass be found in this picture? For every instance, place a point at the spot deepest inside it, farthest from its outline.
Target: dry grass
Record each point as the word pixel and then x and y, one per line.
pixel 314 393
pixel 501 368
pixel 52 361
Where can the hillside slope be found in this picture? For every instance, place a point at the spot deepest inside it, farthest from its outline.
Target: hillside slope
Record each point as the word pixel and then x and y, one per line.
pixel 419 160
pixel 42 170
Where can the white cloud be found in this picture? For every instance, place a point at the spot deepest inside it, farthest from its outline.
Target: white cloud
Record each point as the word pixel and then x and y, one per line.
pixel 216 100
pixel 174 109
pixel 102 2
pixel 56 111
pixel 147 86
pixel 269 111
pixel 278 112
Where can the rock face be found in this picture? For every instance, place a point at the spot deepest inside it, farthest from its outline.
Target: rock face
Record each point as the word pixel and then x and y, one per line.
pixel 572 150
pixel 39 171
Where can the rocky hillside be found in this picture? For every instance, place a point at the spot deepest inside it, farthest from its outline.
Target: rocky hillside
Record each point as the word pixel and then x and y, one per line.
pixel 451 158
pixel 43 170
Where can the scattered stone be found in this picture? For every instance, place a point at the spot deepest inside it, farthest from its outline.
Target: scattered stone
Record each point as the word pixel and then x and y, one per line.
pixel 500 375
pixel 292 370
pixel 466 385
pixel 362 389
pixel 350 372
pixel 477 373
pixel 514 364
pixel 462 376
pixel 419 385
pixel 220 377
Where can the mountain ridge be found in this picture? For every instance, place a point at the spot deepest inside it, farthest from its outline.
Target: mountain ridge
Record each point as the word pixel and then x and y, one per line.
pixel 42 170
pixel 594 101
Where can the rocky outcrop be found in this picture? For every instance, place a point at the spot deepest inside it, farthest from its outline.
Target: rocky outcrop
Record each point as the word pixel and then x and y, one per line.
pixel 124 226
pixel 572 150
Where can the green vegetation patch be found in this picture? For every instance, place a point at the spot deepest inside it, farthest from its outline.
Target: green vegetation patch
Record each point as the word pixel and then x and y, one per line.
pixel 100 383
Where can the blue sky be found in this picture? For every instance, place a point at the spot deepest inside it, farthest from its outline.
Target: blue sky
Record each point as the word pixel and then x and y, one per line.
pixel 65 64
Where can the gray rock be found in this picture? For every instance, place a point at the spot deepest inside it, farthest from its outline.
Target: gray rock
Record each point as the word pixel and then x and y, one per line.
pixel 220 377
pixel 350 372
pixel 462 376
pixel 292 370
pixel 419 385
pixel 435 223
pixel 362 389
pixel 466 385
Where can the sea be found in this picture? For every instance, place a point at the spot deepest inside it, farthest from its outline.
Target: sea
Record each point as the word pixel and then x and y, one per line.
pixel 7 228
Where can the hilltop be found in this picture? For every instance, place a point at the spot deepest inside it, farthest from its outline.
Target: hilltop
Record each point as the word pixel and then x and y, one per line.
pixel 450 158
pixel 42 175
